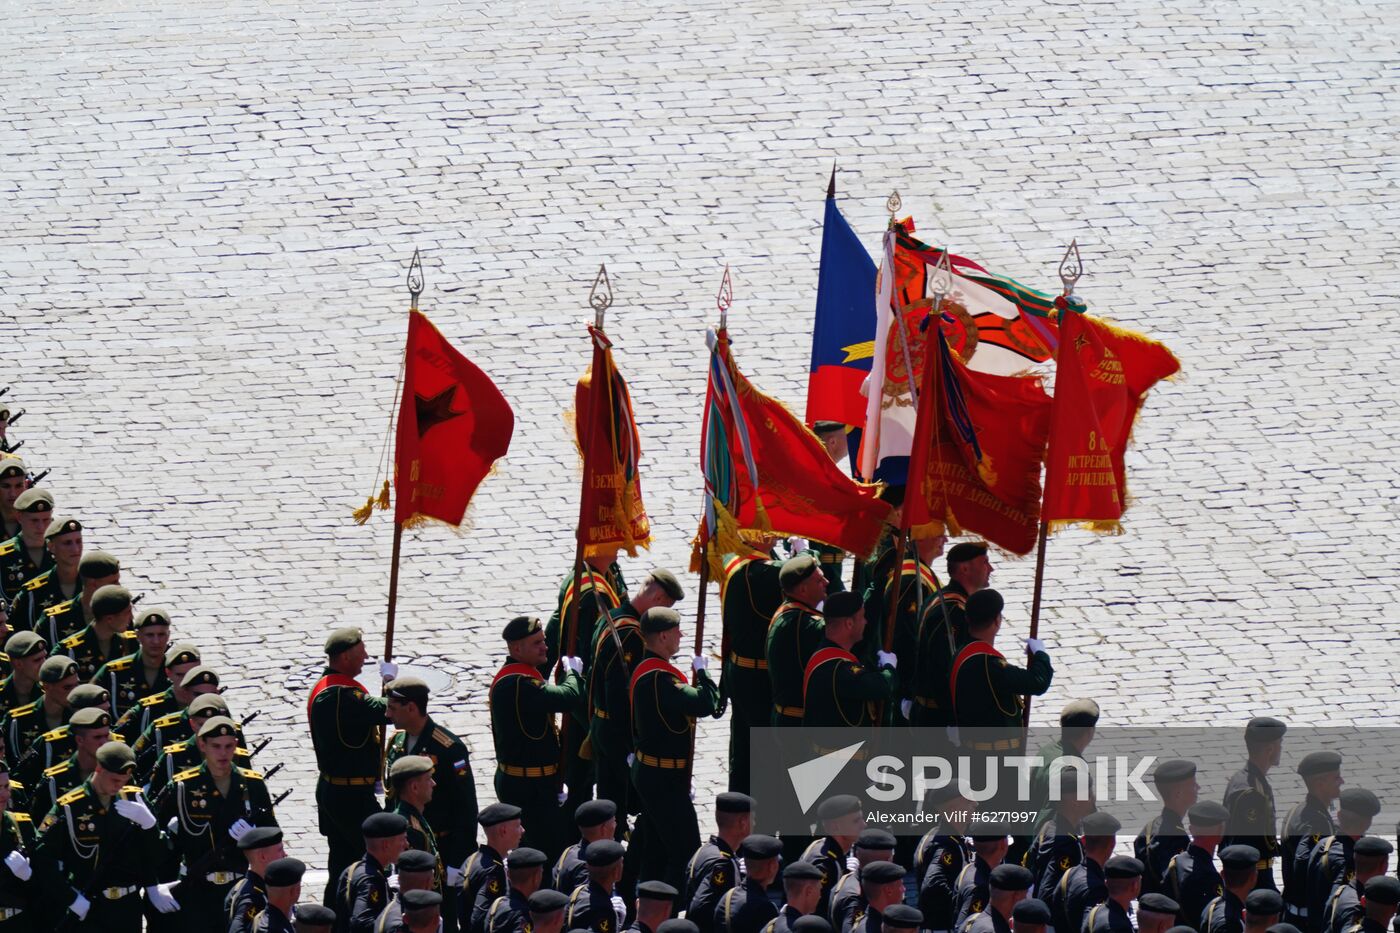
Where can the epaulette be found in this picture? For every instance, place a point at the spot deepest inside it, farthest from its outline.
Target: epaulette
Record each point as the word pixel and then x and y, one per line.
pixel 4 657
pixel 38 581
pixel 16 785
pixel 175 748
pixel 250 774
pixel 21 817
pixel 24 710
pixel 56 770
pixel 72 641
pixel 440 735
pixel 55 610
pixel 119 664
pixel 169 719
pixel 54 735
pixel 73 796
pixel 186 775
pixel 243 751
pixel 152 700
pixel 131 789
pixel 8 547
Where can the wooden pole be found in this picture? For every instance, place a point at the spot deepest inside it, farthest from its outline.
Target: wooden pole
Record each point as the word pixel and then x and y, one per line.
pixel 1035 607
pixel 393 593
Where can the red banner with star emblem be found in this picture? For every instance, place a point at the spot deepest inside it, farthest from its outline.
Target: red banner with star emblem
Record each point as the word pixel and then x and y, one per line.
pixel 453 426
pixel 1101 378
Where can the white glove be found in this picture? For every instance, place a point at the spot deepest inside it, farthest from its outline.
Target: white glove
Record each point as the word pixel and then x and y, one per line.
pixel 620 908
pixel 455 877
pixel 888 659
pixel 159 896
pixel 378 788
pixel 743 867
pixel 574 664
pixel 692 791
pixel 630 759
pixel 238 828
pixel 137 812
pixel 392 881
pixel 80 906
pixel 852 863
pixel 699 662
pixel 388 670
pixel 563 792
pixel 18 865
pixel 1035 644
pixel 173 826
pixel 797 545
pixel 907 708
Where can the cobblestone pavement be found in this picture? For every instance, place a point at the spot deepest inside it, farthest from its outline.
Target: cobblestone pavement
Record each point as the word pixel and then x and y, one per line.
pixel 208 209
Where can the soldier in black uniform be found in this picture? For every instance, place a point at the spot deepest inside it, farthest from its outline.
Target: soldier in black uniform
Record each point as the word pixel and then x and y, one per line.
pixel 1382 894
pixel 19 892
pixel 900 918
pixel 745 908
pixel 362 889
pixel 655 903
pixel 510 912
pixel 749 596
pixel 24 557
pixel 179 661
pixel 452 810
pixel 1056 848
pixel 837 689
pixel 943 853
pixel 526 738
pixel 596 820
pixel 881 886
pixel 1238 871
pixel 1332 861
pixel 60 583
pixel 1083 886
pixel 802 894
pixel 283 891
pixel 1157 913
pixel 27 653
pixel 842 818
pixel 1032 915
pixel 1165 835
pixel 1250 798
pixel 545 911
pixel 347 732
pixel 848 902
pixel 971 887
pixel 941 633
pixel 96 569
pixel 1305 825
pixel 260 846
pixel 133 677
pixel 1191 879
pixel 714 868
pixel 1123 879
pixel 1007 886
pixel 26 724
pixel 1344 904
pixel 594 903
pixel 664 708
pixel 1262 909
pixel 416 871
pixel 485 871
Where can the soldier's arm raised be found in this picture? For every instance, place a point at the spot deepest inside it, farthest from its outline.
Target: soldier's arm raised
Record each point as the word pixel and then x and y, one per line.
pixel 699 700
pixel 1024 681
pixel 864 684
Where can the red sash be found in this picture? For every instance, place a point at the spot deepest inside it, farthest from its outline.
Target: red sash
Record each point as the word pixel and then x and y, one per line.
pixel 818 659
pixel 647 667
pixel 789 604
pixel 970 650
pixel 925 574
pixel 331 680
pixel 516 667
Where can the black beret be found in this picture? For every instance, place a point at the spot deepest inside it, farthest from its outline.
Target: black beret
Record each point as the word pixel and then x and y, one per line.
pixel 408 688
pixel 796 569
pixel 677 925
pixel 1239 856
pixel 1100 823
pixel 95 565
pixel 152 615
pixel 1263 901
pixel 525 857
pixel 62 526
pixel 547 901
pixel 1080 713
pixel 660 619
pixel 732 802
pixel 604 852
pixel 23 644
pixel 1264 729
pixel 260 837
pixel 1158 903
pixel 34 499
pixel 988 837
pixel 1031 910
pixel 1315 763
pixel 284 872
pixel 801 871
pixel 90 718
pixel 656 891
pixel 417 860
pixel 1383 889
pixel 875 838
pixel 668 583
pixel 902 917
pixel 1010 878
pixel 811 923
pixel 1207 813
pixel 183 653
pixel 1123 866
pixel 521 627
pixel 216 727
pixel 383 826
pixel 965 551
pixel 833 808
pixel 316 915
pixel 760 846
pixel 880 872
pixel 1359 801
pixel 827 427
pixel 1173 770
pixel 342 639
pixel 420 899
pixel 593 813
pixel 983 607
pixel 842 605
pixel 1372 845
pixel 1283 928
pixel 109 600
pixel 498 813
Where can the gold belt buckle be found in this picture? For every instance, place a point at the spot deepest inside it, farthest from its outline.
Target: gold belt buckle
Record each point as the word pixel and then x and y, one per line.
pixel 112 894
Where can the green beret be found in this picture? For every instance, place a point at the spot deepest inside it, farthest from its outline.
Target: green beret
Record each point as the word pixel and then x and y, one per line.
pixel 420 899
pixel 1157 903
pixel 733 802
pixel 875 839
pixel 603 852
pixel 34 499
pixel 965 551
pixel 1173 770
pixel 383 826
pixel 759 846
pixel 547 901
pixel 495 813
pixel 1372 845
pixel 12 466
pixel 409 766
pixel 23 644
pixel 521 627
pixel 660 619
pixel 56 668
pixel 200 676
pixel 218 727
pixel 110 600
pixel 593 813
pixel 1239 856
pixel 1123 866
pixel 152 615
pixel 1359 801
pixel 62 526
pixel 408 688
pixel 417 860
pixel 656 891
pixel 284 872
pixel 116 756
pixel 1207 813
pixel 902 917
pixel 85 695
pixel 983 607
pixel 95 565
pixel 1315 763
pixel 881 872
pixel 315 915
pixel 801 871
pixel 525 857
pixel 183 653
pixel 259 837
pixel 668 583
pixel 833 808
pixel 342 639
pixel 1263 902
pixel 90 718
pixel 796 569
pixel 208 704
pixel 1010 878
pixel 842 605
pixel 1080 713
pixel 1100 823
pixel 1032 910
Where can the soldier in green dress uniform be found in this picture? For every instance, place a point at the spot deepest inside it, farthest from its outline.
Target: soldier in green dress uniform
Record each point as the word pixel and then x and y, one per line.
pixel 60 583
pixel 793 636
pixel 14 480
pixel 108 637
pixel 20 891
pixel 749 595
pixel 96 570
pixel 986 690
pixel 25 556
pixel 413 788
pixel 91 728
pixel 26 724
pixel 942 633
pixel 838 690
pixel 133 677
pixel 1165 835
pixel 171 727
pixel 179 661
pixel 27 653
